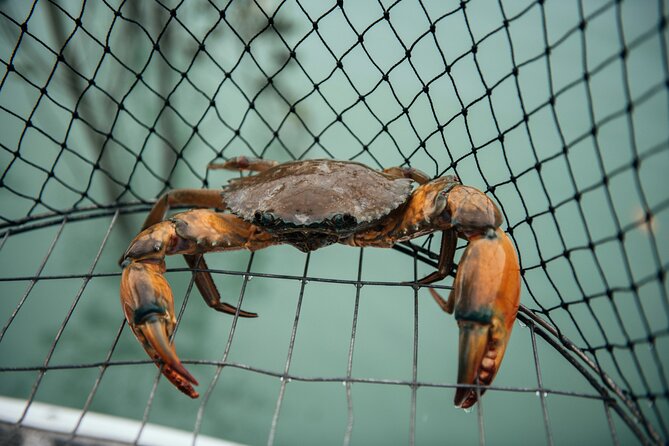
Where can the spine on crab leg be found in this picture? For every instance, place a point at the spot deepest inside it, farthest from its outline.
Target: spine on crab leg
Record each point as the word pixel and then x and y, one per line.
pixel 485 298
pixel 146 296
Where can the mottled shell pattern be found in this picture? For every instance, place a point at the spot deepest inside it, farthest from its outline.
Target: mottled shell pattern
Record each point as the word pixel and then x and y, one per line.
pixel 316 194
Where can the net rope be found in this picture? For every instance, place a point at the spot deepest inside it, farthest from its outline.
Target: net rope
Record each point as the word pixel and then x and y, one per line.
pixel 122 102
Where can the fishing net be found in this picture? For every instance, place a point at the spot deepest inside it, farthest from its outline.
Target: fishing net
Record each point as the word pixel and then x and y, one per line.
pixel 559 111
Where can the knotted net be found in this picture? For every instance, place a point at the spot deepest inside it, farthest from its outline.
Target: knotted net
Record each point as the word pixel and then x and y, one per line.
pixel 558 110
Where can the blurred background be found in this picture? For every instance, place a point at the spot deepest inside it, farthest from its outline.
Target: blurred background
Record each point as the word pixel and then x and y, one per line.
pixel 558 110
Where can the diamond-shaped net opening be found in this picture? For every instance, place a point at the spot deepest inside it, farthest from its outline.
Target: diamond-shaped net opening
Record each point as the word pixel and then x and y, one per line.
pixel 558 110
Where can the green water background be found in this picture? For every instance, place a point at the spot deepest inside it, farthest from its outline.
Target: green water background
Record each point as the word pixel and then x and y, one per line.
pixel 242 403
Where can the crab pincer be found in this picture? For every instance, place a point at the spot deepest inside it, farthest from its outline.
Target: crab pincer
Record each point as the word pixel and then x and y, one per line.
pixel 146 296
pixel 486 291
pixel 149 309
pixel 485 300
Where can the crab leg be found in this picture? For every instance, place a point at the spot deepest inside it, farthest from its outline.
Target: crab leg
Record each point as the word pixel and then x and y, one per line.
pixel 418 176
pixel 484 301
pixel 486 291
pixel 449 240
pixel 146 296
pixel 203 280
pixel 149 309
pixel 244 163
pixel 183 197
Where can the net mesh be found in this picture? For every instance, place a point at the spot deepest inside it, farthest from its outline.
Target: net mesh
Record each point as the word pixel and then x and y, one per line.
pixel 557 110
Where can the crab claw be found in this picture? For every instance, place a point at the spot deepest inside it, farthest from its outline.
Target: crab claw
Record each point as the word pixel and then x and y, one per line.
pixel 485 298
pixel 148 306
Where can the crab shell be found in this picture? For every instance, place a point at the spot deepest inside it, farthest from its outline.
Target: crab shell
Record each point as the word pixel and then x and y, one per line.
pixel 313 203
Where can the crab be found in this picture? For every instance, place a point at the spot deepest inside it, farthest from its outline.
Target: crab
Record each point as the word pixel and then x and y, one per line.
pixel 314 203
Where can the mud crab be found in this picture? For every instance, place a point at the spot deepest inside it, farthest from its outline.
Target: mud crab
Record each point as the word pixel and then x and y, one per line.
pixel 315 203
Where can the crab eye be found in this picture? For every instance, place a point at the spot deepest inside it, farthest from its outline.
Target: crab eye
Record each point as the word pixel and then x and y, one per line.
pixel 267 218
pixel 343 220
pixel 338 220
pixel 264 218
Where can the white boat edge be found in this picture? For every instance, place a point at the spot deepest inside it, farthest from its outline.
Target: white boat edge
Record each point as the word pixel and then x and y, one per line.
pixel 63 420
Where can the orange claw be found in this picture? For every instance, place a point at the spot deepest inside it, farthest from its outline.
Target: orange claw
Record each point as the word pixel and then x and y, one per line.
pixel 149 309
pixel 485 300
